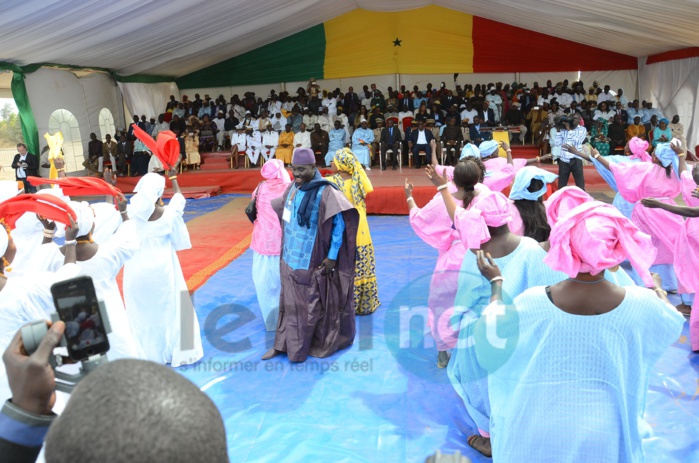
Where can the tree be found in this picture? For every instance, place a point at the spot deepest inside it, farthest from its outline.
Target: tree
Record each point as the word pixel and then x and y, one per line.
pixel 10 127
pixel 6 112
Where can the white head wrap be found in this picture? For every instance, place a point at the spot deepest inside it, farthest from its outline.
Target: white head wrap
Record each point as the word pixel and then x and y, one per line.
pixel 488 147
pixel 57 192
pixel 107 220
pixel 8 189
pixel 85 215
pixel 470 151
pixel 148 190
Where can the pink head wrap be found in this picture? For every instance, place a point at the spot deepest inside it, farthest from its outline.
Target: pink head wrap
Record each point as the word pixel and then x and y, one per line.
pixel 274 170
pixel 488 210
pixel 596 236
pixel 562 201
pixel 639 149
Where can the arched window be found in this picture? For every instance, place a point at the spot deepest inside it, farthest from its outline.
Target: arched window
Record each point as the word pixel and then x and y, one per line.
pixel 106 123
pixel 63 120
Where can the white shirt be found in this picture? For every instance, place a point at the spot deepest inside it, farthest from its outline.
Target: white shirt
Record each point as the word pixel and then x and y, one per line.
pixel 278 124
pixel 240 140
pixel 609 115
pixel 238 111
pixel 541 100
pixel 274 107
pixel 574 137
pixel 404 114
pixel 564 100
pixel 270 138
pixel 303 139
pixel 220 123
pixel 494 99
pixel 158 127
pixel 331 104
pixel 324 122
pixel 254 140
pixel 20 170
pixel 604 97
pixel 470 115
pixel 421 137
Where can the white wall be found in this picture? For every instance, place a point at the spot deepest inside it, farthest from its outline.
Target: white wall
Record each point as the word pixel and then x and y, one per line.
pixel 673 87
pixel 52 89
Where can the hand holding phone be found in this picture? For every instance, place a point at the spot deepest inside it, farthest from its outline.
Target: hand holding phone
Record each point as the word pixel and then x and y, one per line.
pixel 31 377
pixel 77 306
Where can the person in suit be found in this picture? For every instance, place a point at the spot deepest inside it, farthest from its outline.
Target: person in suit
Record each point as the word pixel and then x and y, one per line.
pixel 420 141
pixel 477 137
pixel 124 151
pixel 621 112
pixel 351 104
pixel 109 148
pixel 487 115
pixel 25 165
pixel 390 140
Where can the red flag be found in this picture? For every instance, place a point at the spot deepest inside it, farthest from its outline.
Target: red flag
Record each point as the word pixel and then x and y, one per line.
pixel 79 186
pixel 166 148
pixel 44 205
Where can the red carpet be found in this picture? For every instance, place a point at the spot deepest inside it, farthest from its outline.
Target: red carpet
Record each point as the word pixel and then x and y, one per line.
pixel 388 196
pixel 217 238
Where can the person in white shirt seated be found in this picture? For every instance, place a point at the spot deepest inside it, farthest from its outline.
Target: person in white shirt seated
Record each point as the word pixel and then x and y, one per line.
pixel 344 122
pixel 262 121
pixel 274 106
pixel 324 119
pixel 495 101
pixel 622 98
pixel 605 95
pixel 309 119
pixel 278 122
pixel 254 145
pixel 220 122
pixel 468 112
pixel 160 126
pixel 303 138
pixel 238 145
pixel 563 98
pixel 603 112
pixel 543 98
pixel 247 120
pixel 329 102
pixel 270 141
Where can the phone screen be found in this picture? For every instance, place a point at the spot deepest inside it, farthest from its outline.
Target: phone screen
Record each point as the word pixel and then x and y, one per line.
pixel 77 306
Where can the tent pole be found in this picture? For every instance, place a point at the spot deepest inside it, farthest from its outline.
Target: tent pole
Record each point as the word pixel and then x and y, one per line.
pixel 397 82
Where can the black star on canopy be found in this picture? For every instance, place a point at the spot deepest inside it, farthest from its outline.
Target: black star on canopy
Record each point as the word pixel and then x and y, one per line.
pixel 396 43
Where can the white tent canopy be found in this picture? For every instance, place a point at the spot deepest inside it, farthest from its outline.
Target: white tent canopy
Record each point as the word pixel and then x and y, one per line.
pixel 177 37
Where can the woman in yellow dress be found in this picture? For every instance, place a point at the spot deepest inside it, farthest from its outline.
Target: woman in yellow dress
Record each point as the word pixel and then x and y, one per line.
pixel 355 184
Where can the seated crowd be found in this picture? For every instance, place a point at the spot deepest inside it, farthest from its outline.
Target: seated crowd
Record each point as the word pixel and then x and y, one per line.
pixel 398 127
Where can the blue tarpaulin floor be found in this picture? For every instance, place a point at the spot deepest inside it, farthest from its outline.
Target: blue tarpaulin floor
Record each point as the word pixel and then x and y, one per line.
pixel 384 399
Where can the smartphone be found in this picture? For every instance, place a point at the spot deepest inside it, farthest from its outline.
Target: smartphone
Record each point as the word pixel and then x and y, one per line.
pixel 77 306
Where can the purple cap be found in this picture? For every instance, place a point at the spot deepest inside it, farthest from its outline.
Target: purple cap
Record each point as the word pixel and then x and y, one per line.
pixel 303 157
